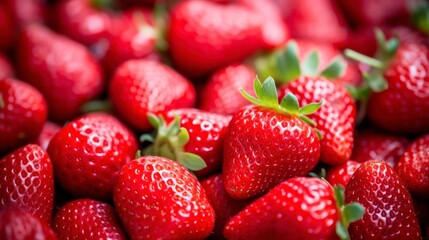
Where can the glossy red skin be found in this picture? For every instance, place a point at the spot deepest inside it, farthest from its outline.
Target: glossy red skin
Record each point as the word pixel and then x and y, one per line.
pixel 413 167
pixel 165 198
pixel 200 39
pixel 63 70
pixel 16 223
pixel 139 87
pixel 47 133
pixel 5 67
pixel 128 40
pixel 301 208
pixel 341 174
pixel 221 94
pixel 88 154
pixel 27 12
pixel 224 206
pixel 22 116
pixel 87 219
pixel 389 212
pixel 27 181
pixel 262 148
pixel 335 118
pixel 81 21
pixel 7 26
pixel 206 134
pixel 371 144
pixel 402 108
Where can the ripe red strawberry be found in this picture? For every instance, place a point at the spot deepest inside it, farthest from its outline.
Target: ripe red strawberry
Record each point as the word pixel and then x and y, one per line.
pixel 16 223
pixel 298 208
pixel 389 212
pixel 413 167
pixel 63 70
pixel 27 12
pixel 87 219
pixel 398 83
pixel 134 92
pixel 5 67
pixel 268 142
pixel 23 112
pixel 48 132
pixel 7 26
pixel 341 174
pixel 224 206
pixel 88 154
pixel 193 138
pixel 221 94
pixel 84 21
pixel 373 145
pixel 27 181
pixel 157 198
pixel 200 39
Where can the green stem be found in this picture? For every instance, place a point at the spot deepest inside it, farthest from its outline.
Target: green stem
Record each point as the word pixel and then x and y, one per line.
pixel 365 59
pixel 102 4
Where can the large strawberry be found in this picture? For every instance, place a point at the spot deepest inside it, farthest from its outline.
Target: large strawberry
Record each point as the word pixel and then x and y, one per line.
pixel 193 138
pixel 397 86
pixel 157 198
pixel 413 166
pixel 23 112
pixel 27 181
pixel 389 212
pixel 87 219
pixel 5 67
pixel 17 224
pixel 88 154
pixel 139 87
pixel 200 39
pixel 221 94
pixel 268 142
pixel 63 70
pixel 298 208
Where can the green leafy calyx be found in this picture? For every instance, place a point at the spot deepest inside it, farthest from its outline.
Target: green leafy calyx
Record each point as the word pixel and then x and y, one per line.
pixel 420 16
pixel 169 141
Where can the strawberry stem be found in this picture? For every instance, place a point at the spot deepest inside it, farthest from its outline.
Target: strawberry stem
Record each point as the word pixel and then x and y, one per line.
pixel 365 59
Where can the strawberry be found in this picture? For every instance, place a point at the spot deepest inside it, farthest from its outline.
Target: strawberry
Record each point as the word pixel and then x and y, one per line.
pixel 48 132
pixel 85 21
pixel 200 39
pixel 16 223
pixel 134 93
pixel 5 67
pixel 398 84
pixel 224 206
pixel 299 208
pixel 413 167
pixel 23 112
pixel 341 174
pixel 193 138
pixel 63 70
pixel 7 26
pixel 88 154
pixel 27 12
pixel 157 198
pixel 221 94
pixel 374 145
pixel 27 181
pixel 389 212
pixel 87 219
pixel 268 142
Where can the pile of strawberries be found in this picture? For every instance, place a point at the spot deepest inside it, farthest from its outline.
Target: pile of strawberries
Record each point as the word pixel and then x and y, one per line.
pixel 218 119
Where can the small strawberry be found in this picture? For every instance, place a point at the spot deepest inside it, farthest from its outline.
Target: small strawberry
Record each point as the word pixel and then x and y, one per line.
pixel 87 219
pixel 268 142
pixel 48 132
pixel 193 138
pixel 157 198
pixel 298 208
pixel 27 181
pixel 389 212
pixel 396 87
pixel 224 206
pixel 63 70
pixel 413 167
pixel 341 174
pixel 17 224
pixel 374 145
pixel 88 154
pixel 221 94
pixel 139 87
pixel 23 112
pixel 5 67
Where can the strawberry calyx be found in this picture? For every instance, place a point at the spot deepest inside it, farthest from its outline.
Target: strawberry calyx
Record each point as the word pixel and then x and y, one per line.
pixel 2 104
pixel 102 4
pixel 169 140
pixel 420 16
pixel 97 106
pixel 266 96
